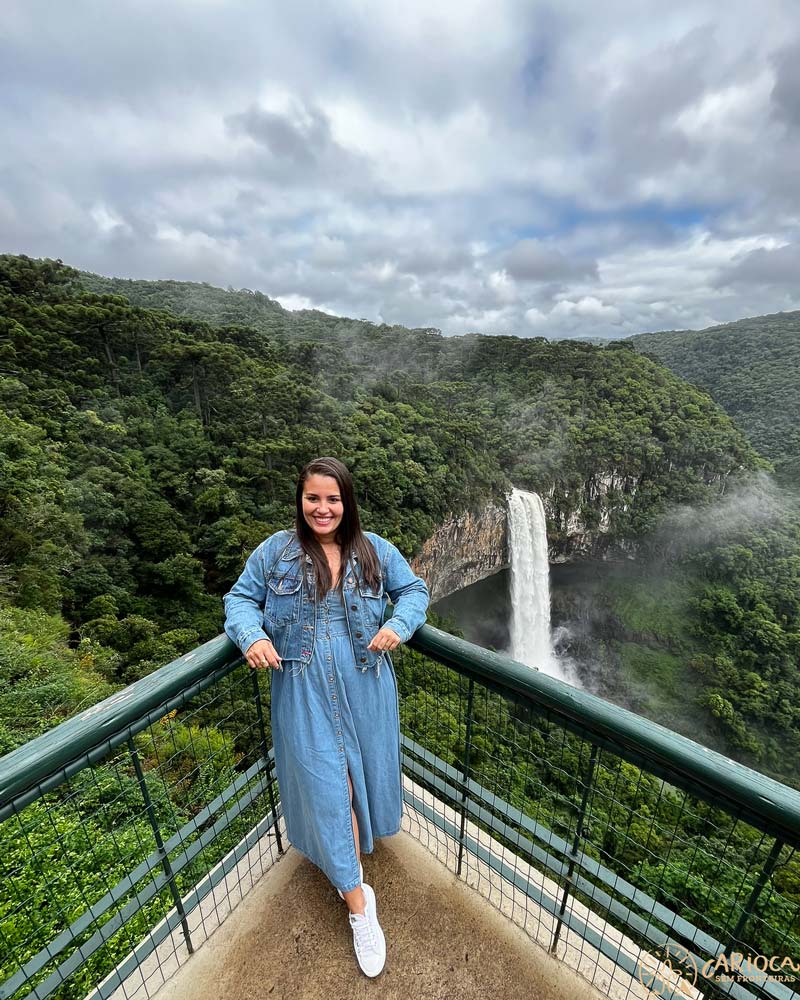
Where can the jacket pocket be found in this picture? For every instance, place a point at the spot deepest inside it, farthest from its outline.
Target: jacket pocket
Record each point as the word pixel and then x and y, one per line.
pixel 366 590
pixel 283 602
pixel 373 600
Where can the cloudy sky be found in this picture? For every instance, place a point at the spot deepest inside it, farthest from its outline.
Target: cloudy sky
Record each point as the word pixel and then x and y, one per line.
pixel 564 169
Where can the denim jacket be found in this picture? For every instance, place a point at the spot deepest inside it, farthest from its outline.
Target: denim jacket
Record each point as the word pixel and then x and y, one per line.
pixel 269 601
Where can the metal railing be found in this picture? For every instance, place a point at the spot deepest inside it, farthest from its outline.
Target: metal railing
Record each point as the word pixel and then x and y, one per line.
pixel 617 844
pixel 118 824
pixel 623 842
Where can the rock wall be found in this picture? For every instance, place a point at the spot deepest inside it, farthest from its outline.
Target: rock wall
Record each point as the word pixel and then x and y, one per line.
pixel 580 522
pixel 466 548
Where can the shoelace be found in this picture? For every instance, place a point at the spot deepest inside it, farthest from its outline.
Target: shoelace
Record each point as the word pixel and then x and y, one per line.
pixel 365 937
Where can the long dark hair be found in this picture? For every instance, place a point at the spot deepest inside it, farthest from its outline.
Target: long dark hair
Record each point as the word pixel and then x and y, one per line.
pixel 349 535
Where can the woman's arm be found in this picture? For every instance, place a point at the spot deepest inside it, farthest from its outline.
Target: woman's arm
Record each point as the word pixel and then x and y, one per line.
pixel 408 593
pixel 244 603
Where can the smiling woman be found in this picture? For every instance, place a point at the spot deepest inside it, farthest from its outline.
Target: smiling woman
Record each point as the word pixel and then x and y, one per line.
pixel 314 598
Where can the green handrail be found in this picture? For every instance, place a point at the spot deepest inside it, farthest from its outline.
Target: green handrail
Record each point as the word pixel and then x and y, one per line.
pixel 44 763
pixel 109 722
pixel 767 804
pixel 762 801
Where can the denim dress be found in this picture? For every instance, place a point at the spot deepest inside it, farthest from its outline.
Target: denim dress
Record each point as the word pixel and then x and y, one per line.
pixel 328 719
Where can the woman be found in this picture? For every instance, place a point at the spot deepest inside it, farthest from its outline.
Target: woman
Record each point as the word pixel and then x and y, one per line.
pixel 313 600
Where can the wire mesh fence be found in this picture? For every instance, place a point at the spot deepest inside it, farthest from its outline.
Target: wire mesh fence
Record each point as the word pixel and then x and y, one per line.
pixel 639 883
pixel 121 859
pixel 112 856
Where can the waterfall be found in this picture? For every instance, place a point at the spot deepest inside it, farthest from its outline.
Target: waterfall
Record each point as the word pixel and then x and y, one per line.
pixel 531 641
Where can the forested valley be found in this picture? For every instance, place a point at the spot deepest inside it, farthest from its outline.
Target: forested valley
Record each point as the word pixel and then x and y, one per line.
pixel 751 369
pixel 145 452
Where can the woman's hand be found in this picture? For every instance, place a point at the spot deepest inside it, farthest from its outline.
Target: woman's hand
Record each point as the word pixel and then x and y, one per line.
pixel 384 641
pixel 262 654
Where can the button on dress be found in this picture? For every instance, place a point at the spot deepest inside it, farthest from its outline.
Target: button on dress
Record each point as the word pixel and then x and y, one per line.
pixel 327 719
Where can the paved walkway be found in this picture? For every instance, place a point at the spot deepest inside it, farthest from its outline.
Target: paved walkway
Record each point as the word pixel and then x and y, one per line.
pixel 289 939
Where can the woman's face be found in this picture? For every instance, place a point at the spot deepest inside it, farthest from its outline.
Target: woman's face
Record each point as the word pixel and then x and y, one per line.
pixel 322 506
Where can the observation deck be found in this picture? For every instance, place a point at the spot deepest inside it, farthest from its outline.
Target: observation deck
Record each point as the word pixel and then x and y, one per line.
pixel 553 845
pixel 289 938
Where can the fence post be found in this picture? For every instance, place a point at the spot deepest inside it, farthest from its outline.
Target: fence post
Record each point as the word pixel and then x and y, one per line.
pixel 268 763
pixel 573 854
pixel 165 863
pixel 467 747
pixel 749 907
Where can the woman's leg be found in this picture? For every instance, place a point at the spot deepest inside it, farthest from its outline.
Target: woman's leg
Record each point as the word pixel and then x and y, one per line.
pixel 355 898
pixel 353 819
pixel 369 941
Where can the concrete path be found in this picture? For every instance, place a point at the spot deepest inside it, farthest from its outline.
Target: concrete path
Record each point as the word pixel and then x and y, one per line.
pixel 289 939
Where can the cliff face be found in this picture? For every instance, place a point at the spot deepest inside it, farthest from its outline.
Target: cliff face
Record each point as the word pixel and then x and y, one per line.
pixel 473 545
pixel 580 522
pixel 466 548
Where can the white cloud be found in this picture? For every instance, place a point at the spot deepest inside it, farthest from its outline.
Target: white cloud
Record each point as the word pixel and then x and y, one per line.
pixel 503 286
pixel 535 317
pixel 105 220
pixel 295 302
pixel 729 113
pixel 380 273
pixel 587 306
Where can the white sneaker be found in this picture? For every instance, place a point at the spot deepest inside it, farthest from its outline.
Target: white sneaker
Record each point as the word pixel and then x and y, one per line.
pixel 361 878
pixel 368 940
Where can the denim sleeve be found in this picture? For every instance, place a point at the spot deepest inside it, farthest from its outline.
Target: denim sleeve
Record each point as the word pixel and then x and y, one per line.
pixel 244 603
pixel 408 593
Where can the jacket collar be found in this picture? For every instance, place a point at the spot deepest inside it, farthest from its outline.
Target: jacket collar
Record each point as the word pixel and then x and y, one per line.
pixel 294 550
